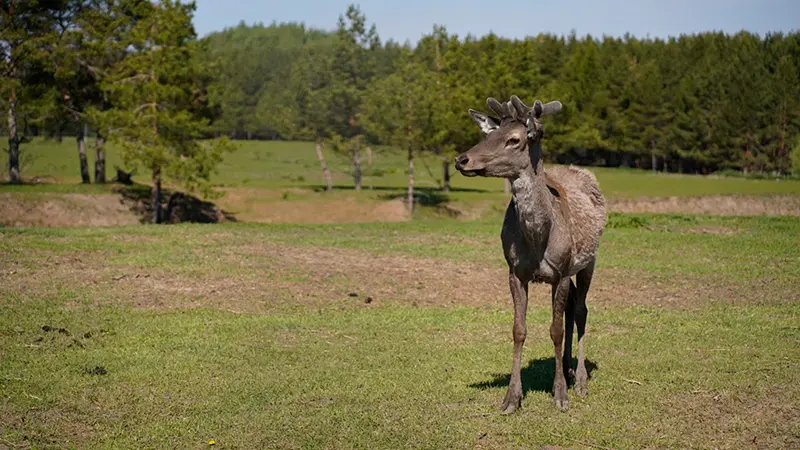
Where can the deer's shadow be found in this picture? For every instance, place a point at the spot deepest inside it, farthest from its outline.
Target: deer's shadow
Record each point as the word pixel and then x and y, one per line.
pixel 538 375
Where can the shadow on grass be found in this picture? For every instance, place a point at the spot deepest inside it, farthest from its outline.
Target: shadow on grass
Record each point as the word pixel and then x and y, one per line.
pixel 178 207
pixel 422 197
pixel 537 376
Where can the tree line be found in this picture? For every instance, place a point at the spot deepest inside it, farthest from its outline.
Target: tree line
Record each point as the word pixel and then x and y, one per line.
pixel 129 70
pixel 135 71
pixel 694 103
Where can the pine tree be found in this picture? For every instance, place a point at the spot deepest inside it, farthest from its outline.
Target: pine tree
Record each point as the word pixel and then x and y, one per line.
pixel 432 51
pixel 399 110
pixel 352 70
pixel 303 113
pixel 28 35
pixel 93 45
pixel 76 86
pixel 156 114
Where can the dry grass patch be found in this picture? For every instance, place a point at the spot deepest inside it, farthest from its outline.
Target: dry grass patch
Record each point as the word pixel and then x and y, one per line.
pixel 65 210
pixel 260 277
pixel 722 205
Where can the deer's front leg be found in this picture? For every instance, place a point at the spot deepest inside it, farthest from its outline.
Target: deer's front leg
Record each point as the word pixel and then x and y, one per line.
pixel 560 293
pixel 519 293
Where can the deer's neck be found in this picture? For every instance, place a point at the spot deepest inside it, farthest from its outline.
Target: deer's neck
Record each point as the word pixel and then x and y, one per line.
pixel 532 198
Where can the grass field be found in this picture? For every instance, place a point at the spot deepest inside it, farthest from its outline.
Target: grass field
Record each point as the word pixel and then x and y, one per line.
pixel 388 335
pixel 276 165
pixel 246 334
pixel 282 182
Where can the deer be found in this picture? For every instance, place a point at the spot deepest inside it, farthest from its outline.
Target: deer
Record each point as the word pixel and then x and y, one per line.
pixel 550 233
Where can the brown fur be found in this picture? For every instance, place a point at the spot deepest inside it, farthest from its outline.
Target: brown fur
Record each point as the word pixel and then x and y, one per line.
pixel 550 233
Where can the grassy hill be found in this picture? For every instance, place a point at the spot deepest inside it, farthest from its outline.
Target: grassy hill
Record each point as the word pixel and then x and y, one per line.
pixel 282 182
pixel 277 164
pixel 387 335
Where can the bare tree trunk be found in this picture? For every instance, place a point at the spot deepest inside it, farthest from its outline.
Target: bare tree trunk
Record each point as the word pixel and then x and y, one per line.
pixel 81 138
pixel 446 171
pixel 506 186
pixel 655 160
pixel 100 163
pixel 249 135
pixel 411 180
pixel 155 193
pixel 369 166
pixel 356 170
pixel 13 140
pixel 782 147
pixel 324 165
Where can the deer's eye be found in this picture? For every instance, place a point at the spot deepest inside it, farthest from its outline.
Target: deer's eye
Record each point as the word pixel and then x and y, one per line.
pixel 512 142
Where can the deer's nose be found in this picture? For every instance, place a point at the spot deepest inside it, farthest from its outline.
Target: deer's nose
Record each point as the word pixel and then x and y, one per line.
pixel 461 160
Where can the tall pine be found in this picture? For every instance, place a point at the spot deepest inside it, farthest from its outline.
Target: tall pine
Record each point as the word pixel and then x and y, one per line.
pixel 157 103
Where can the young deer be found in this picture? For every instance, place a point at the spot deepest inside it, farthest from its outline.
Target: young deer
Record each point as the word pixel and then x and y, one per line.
pixel 551 231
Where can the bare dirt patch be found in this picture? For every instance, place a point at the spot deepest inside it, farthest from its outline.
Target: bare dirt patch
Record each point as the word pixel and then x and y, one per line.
pixel 268 206
pixel 62 210
pixel 332 211
pixel 726 205
pixel 304 206
pixel 711 229
pixel 267 276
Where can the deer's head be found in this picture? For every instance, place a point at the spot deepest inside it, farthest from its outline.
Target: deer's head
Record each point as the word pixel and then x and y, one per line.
pixel 506 150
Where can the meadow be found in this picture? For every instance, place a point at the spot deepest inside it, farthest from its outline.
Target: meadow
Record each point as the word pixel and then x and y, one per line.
pixel 390 335
pixel 282 182
pixel 277 164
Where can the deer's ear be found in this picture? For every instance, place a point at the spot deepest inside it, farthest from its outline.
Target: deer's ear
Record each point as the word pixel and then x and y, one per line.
pixel 487 123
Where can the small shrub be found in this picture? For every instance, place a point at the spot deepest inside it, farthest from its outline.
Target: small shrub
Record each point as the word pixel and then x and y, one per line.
pixel 617 220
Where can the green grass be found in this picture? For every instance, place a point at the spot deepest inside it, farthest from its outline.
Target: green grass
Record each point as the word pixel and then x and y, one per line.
pixel 276 165
pixel 635 183
pixel 255 366
pixel 154 337
pixel 53 160
pixel 661 245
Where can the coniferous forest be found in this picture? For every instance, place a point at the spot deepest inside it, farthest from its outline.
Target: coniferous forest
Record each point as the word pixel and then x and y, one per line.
pixel 135 71
pixel 695 104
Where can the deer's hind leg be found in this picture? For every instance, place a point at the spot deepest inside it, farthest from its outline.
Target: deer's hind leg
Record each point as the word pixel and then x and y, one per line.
pixel 584 280
pixel 560 294
pixel 569 326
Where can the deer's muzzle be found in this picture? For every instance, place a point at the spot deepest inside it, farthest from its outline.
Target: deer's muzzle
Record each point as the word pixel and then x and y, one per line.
pixel 463 166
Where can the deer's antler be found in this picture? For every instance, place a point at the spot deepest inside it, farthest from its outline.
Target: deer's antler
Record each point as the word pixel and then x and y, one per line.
pixel 498 108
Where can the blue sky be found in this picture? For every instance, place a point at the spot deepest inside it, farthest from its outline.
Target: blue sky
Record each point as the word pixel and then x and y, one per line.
pixel 410 19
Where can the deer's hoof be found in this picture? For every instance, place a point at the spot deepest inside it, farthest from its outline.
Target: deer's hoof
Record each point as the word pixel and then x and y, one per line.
pixel 563 405
pixel 560 398
pixel 511 403
pixel 506 409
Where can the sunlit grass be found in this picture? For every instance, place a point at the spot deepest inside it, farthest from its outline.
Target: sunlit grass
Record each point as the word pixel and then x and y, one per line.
pixel 345 374
pixel 277 165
